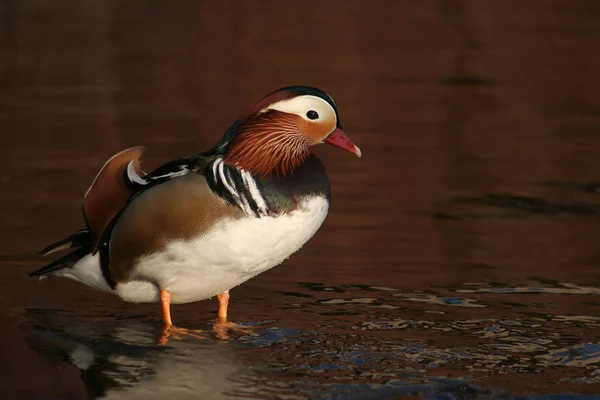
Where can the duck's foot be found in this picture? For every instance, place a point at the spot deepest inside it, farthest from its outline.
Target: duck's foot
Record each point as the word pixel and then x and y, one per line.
pixel 221 327
pixel 171 331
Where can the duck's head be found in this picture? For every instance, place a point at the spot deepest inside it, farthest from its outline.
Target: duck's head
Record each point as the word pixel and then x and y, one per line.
pixel 278 133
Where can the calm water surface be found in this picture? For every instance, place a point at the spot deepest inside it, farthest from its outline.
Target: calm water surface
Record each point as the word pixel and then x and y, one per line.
pixel 461 256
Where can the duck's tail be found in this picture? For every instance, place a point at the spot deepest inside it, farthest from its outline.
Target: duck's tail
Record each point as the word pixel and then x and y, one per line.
pixel 79 239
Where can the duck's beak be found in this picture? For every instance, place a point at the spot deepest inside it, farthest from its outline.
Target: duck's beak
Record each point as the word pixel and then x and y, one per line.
pixel 339 139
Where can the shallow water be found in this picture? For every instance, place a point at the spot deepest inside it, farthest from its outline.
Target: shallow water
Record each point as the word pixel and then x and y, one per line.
pixel 460 258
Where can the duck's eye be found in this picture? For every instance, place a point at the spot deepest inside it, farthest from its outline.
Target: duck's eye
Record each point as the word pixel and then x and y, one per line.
pixel 312 114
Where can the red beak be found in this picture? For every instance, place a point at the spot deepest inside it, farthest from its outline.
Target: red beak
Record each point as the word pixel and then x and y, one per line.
pixel 339 139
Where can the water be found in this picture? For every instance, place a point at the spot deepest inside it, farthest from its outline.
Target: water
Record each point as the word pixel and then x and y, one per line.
pixel 460 258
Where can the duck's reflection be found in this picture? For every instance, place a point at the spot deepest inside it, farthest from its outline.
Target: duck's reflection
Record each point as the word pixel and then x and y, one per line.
pixel 116 359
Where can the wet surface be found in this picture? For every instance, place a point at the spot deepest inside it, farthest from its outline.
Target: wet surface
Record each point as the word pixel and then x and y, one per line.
pixel 460 258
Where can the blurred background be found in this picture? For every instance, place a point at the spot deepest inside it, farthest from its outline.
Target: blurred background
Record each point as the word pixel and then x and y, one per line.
pixel 460 256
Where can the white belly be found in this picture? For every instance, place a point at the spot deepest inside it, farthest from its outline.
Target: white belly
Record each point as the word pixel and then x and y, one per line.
pixel 230 254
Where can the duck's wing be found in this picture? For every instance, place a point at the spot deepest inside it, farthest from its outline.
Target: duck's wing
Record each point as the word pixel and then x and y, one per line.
pixel 109 193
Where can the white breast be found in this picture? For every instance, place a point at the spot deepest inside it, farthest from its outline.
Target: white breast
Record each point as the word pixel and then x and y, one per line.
pixel 230 254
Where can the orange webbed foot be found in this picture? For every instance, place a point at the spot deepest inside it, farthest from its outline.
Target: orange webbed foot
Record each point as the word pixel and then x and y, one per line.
pixel 222 327
pixel 171 331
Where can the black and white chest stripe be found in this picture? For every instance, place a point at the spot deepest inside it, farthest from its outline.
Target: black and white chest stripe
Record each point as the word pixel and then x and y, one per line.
pixel 236 186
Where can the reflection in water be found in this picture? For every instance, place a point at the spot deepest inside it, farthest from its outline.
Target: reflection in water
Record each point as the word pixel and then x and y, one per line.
pixel 124 362
pixel 384 356
pixel 584 355
pixel 433 299
pixel 561 288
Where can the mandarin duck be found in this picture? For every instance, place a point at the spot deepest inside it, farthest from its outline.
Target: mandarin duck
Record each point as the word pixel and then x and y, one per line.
pixel 200 225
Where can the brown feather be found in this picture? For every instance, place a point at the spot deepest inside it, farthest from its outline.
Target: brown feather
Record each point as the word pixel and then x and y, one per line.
pixel 179 209
pixel 108 194
pixel 270 143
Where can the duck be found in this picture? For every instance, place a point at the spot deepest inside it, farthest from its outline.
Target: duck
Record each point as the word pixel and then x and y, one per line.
pixel 199 226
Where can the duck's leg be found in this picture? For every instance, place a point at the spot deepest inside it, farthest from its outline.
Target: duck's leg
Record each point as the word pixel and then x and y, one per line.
pixel 223 305
pixel 222 324
pixel 169 329
pixel 165 301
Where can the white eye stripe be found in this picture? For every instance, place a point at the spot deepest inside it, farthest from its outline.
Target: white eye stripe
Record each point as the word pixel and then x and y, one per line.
pixel 301 105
